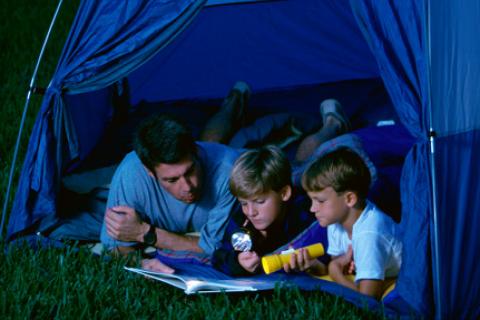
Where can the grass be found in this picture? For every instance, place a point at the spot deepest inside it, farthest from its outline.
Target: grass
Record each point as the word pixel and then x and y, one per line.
pixel 64 284
pixel 67 283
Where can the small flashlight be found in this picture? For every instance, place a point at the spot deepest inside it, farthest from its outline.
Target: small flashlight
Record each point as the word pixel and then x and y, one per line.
pixel 242 240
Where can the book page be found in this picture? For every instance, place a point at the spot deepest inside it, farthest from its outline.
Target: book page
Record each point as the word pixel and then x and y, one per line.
pixel 212 286
pixel 170 279
pixel 191 284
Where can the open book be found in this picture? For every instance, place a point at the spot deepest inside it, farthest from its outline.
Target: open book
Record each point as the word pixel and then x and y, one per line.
pixel 195 284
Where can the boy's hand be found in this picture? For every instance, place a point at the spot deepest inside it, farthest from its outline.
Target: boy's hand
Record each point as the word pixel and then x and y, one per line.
pixel 249 261
pixel 346 261
pixel 302 261
pixel 351 268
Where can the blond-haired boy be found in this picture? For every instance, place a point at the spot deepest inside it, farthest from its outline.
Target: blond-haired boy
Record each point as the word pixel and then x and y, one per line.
pixel 261 181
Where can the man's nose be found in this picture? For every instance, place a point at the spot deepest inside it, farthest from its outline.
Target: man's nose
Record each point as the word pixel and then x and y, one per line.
pixel 187 184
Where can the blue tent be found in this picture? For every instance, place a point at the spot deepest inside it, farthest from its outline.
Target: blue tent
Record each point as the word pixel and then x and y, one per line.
pixel 185 50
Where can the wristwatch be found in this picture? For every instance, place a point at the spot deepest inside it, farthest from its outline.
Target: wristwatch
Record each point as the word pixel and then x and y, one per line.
pixel 150 238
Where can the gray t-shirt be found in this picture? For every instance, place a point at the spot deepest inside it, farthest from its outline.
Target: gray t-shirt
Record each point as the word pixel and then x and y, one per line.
pixel 377 251
pixel 133 186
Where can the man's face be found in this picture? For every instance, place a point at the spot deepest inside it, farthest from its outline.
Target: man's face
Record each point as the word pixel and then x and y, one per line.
pixel 329 206
pixel 264 209
pixel 182 179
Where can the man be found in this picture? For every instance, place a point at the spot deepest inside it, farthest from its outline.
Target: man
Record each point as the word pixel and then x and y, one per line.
pixel 168 186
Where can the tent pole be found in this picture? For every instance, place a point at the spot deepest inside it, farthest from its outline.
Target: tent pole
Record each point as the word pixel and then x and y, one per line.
pixel 24 115
pixel 432 134
pixel 436 260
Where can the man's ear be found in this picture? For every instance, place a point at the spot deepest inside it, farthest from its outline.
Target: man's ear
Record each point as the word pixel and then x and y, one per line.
pixel 150 173
pixel 351 199
pixel 286 193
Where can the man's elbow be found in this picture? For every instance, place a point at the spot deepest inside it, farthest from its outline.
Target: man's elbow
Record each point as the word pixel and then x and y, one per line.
pixel 119 251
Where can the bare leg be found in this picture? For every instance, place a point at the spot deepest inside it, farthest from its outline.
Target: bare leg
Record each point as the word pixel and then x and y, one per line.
pixel 230 117
pixel 335 123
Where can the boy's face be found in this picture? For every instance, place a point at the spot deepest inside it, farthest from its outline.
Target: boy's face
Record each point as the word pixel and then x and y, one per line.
pixel 264 209
pixel 329 206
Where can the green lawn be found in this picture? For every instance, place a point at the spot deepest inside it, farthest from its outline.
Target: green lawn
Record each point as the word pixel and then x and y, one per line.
pixel 66 284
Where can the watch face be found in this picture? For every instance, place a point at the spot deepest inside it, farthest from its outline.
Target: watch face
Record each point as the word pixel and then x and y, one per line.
pixel 150 238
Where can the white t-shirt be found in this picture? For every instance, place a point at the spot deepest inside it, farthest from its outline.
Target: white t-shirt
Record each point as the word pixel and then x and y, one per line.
pixel 376 250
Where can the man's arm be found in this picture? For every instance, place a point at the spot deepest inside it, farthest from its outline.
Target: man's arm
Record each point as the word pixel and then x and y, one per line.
pixel 173 241
pixel 212 233
pixel 124 224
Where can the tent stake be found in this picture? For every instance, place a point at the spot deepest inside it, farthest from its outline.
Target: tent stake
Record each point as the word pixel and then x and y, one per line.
pixel 24 115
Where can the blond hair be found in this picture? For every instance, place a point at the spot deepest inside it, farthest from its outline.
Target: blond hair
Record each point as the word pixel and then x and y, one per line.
pixel 260 170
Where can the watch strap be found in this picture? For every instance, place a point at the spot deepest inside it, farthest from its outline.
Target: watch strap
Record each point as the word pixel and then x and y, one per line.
pixel 150 238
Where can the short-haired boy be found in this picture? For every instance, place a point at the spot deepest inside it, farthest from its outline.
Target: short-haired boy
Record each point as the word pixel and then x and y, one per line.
pixel 360 236
pixel 261 181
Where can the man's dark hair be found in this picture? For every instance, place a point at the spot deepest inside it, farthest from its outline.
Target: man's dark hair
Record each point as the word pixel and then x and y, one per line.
pixel 342 169
pixel 163 139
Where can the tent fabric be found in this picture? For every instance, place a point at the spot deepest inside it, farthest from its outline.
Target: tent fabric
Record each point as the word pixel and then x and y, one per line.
pixel 455 69
pixel 395 31
pixel 457 169
pixel 120 40
pixel 414 283
pixel 302 42
pixel 108 40
pixel 397 41
pixel 224 2
pixel 455 66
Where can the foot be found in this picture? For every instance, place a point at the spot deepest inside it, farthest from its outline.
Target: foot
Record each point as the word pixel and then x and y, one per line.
pixel 237 101
pixel 333 115
pixel 242 87
pixel 335 123
pixel 230 117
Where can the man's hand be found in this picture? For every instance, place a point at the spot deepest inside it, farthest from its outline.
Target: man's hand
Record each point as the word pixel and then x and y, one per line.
pixel 301 261
pixel 156 265
pixel 249 260
pixel 124 224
